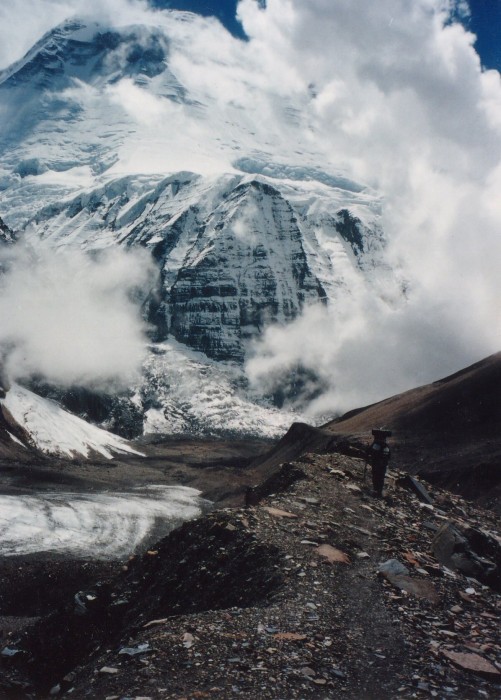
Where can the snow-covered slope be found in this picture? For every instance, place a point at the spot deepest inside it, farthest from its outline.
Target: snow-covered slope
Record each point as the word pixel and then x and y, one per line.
pixel 54 431
pixel 185 392
pixel 113 137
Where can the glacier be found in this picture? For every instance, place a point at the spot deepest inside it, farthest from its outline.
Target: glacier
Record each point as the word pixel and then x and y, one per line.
pixel 97 525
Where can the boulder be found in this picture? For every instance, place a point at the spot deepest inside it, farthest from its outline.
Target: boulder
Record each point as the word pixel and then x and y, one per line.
pixel 462 551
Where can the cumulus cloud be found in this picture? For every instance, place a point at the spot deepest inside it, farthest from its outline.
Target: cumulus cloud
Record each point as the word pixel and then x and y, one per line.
pixel 138 102
pixel 73 318
pixel 401 100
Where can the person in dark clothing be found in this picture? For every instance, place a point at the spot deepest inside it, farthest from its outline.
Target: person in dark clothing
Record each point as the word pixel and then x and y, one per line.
pixel 378 457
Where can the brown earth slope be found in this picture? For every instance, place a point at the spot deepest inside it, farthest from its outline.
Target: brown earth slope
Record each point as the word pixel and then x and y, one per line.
pixel 449 431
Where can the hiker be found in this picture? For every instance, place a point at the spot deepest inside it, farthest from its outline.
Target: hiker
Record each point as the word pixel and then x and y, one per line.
pixel 378 456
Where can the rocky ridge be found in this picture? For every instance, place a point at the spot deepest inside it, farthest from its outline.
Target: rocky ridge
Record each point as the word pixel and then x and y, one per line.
pixel 283 599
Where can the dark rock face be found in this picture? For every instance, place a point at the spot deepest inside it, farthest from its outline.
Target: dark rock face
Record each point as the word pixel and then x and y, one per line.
pixel 351 229
pixel 231 254
pixel 7 236
pixel 244 271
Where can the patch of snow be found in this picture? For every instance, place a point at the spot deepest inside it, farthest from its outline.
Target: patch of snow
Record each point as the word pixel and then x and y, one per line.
pixel 75 176
pixel 192 394
pixel 57 432
pixel 13 437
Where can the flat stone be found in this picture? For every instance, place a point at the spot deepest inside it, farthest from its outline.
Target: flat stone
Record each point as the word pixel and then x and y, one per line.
pixel 290 636
pixel 412 484
pixel 153 623
pixel 472 663
pixel 310 501
pixel 332 554
pixel 309 672
pixel 393 567
pixel 338 673
pixel 278 513
pixel 415 586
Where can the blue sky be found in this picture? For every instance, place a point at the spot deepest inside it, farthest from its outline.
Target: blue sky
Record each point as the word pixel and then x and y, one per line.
pixel 485 22
pixel 224 10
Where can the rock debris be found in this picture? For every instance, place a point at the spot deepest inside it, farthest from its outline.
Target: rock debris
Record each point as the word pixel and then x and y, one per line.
pixel 318 590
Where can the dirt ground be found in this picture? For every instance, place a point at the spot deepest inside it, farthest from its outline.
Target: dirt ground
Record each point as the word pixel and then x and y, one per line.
pixel 218 468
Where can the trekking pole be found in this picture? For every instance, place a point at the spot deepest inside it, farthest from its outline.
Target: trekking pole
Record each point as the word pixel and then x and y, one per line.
pixel 366 463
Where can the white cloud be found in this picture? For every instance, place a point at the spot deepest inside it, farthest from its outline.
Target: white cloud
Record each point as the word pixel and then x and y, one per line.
pixel 138 102
pixel 402 100
pixel 72 318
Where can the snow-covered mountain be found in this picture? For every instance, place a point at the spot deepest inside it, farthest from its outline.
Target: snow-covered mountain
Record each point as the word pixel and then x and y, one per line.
pixel 112 138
